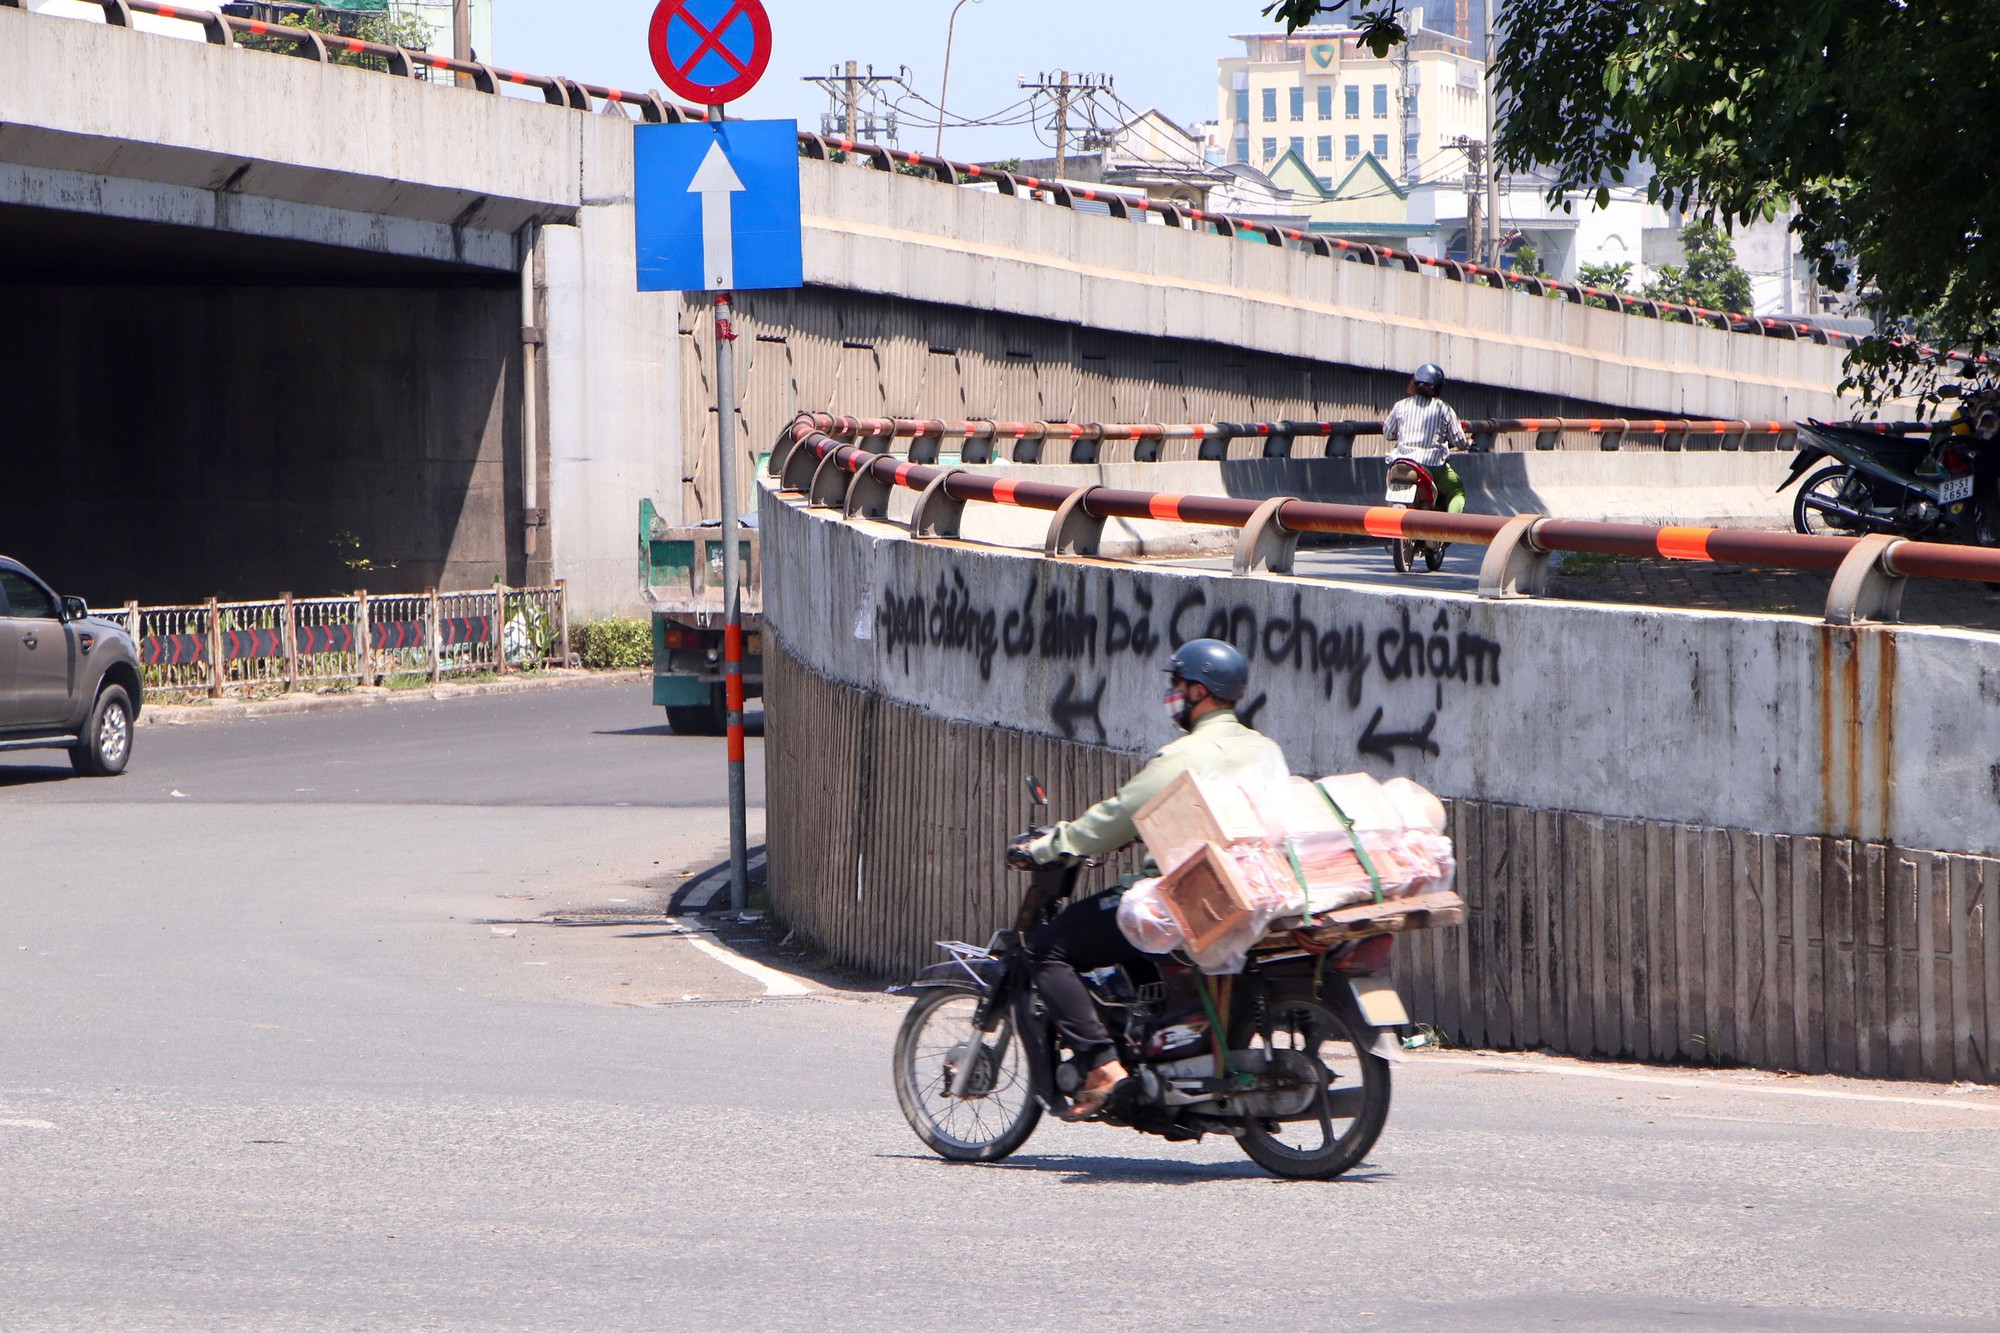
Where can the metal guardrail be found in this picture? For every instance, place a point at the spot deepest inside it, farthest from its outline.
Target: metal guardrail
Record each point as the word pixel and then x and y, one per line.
pixel 1869 572
pixel 222 30
pixel 981 441
pixel 291 643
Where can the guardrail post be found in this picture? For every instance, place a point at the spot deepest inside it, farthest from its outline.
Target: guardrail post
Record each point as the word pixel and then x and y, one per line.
pixel 938 512
pixel 867 495
pixel 830 481
pixel 433 637
pixel 499 627
pixel 1215 441
pixel 1867 586
pixel 214 650
pixel 1278 443
pixel 1074 530
pixel 363 649
pixel 800 464
pixel 1340 443
pixel 562 608
pixel 1546 440
pixel 1027 450
pixel 1482 440
pixel 1266 545
pixel 290 642
pixel 1514 566
pixel 116 13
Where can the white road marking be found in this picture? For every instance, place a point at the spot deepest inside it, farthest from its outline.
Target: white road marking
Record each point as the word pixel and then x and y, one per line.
pixel 773 981
pixel 27 1124
pixel 1721 1085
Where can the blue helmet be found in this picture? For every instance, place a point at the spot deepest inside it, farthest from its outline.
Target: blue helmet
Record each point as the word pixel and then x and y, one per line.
pixel 1213 664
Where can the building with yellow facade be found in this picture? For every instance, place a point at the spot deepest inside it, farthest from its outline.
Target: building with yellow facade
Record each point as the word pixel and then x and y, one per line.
pixel 1320 94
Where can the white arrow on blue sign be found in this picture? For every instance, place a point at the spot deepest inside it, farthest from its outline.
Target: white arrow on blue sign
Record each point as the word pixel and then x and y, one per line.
pixel 717 206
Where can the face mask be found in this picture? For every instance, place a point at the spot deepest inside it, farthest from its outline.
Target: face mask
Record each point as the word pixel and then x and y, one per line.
pixel 1178 707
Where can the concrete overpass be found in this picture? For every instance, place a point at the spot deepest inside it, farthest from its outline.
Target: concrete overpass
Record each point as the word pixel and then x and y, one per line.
pixel 277 322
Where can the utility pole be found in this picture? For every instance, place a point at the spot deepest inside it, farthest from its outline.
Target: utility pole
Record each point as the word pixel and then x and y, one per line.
pixel 845 91
pixel 461 36
pixel 1475 187
pixel 1492 141
pixel 1064 87
pixel 1062 120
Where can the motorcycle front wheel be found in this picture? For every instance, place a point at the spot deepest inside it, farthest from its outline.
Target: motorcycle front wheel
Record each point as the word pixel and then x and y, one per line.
pixel 1830 485
pixel 1349 1109
pixel 1400 552
pixel 1434 557
pixel 998 1111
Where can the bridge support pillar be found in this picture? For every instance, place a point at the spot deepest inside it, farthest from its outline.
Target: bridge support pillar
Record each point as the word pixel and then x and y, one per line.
pixel 1514 566
pixel 1866 586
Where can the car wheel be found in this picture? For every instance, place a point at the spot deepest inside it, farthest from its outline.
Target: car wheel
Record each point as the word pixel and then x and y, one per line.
pixel 106 744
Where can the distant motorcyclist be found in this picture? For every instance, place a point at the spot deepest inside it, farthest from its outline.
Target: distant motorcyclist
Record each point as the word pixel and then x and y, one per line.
pixel 1424 429
pixel 1207 677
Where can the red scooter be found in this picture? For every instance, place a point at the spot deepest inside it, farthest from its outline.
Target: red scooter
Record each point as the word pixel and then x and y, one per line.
pixel 1411 486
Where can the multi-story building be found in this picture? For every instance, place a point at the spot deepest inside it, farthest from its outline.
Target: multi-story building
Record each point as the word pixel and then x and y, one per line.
pixel 1321 94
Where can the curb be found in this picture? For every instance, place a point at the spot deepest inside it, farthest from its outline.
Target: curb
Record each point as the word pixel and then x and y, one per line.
pixel 181 715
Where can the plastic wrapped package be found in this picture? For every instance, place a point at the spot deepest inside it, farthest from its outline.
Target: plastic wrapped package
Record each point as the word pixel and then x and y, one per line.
pixel 1366 802
pixel 1415 805
pixel 1145 920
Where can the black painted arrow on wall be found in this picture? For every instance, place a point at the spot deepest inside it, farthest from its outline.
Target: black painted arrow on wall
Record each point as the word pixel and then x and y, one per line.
pixel 1383 744
pixel 1071 708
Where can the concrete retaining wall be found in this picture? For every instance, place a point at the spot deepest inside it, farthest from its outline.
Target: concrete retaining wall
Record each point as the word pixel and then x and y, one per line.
pixel 1687 820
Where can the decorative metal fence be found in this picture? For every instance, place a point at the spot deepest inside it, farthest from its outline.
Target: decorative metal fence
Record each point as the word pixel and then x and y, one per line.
pixel 325 643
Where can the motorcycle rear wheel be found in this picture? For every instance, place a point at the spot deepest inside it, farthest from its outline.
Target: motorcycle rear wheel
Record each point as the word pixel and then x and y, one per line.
pixel 1400 552
pixel 1001 1111
pixel 1836 485
pixel 1348 1114
pixel 1434 556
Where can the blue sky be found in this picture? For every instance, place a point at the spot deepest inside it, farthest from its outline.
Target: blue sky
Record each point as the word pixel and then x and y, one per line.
pixel 1160 54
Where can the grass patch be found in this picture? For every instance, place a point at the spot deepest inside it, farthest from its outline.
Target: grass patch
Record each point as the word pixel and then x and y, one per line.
pixel 1586 564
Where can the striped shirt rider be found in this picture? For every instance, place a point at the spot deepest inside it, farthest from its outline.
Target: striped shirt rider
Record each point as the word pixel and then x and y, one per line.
pixel 1423 430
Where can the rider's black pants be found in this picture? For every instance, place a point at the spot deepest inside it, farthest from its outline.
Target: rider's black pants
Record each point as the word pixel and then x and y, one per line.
pixel 1083 937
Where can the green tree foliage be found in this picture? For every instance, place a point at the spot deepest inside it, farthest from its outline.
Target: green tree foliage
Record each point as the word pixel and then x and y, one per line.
pixel 392 29
pixel 1710 278
pixel 1606 277
pixel 1874 120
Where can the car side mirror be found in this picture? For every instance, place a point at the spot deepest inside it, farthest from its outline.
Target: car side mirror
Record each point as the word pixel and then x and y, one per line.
pixel 74 609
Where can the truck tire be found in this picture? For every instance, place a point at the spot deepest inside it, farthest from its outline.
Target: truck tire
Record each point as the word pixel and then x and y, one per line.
pixel 709 719
pixel 105 746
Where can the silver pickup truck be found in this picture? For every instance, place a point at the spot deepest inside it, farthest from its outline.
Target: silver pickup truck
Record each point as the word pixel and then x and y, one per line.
pixel 68 681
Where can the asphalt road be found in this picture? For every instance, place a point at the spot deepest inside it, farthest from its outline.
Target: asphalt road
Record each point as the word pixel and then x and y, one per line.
pixel 302 1047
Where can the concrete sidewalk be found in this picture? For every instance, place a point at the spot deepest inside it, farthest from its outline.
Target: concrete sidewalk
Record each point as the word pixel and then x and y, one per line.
pixel 224 710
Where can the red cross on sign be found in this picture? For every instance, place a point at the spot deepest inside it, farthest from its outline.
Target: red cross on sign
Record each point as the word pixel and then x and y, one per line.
pixel 710 51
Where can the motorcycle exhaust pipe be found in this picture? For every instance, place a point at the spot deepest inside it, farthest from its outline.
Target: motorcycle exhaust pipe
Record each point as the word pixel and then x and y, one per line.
pixel 1874 521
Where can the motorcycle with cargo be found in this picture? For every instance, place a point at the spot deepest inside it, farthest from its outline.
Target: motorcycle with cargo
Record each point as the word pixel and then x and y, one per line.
pixel 1289 1054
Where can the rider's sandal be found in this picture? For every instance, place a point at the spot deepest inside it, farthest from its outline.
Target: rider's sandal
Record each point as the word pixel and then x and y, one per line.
pixel 1088 1104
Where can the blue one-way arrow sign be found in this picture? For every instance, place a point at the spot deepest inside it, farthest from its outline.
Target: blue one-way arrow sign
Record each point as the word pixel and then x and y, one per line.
pixel 717 205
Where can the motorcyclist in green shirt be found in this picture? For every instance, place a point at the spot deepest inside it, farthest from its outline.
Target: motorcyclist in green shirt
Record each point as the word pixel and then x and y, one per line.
pixel 1207 677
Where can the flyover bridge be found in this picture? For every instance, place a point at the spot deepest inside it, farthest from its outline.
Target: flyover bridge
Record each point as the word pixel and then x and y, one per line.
pixel 286 320
pixel 309 325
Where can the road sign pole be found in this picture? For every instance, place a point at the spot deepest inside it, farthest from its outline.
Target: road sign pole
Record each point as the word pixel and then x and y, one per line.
pixel 732 588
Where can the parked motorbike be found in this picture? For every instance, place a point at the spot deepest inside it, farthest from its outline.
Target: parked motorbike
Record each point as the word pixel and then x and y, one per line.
pixel 1411 486
pixel 1290 1058
pixel 1942 488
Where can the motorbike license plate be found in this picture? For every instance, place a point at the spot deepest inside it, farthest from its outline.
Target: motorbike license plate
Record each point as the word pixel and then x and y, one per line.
pixel 1957 488
pixel 1402 495
pixel 1380 1004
